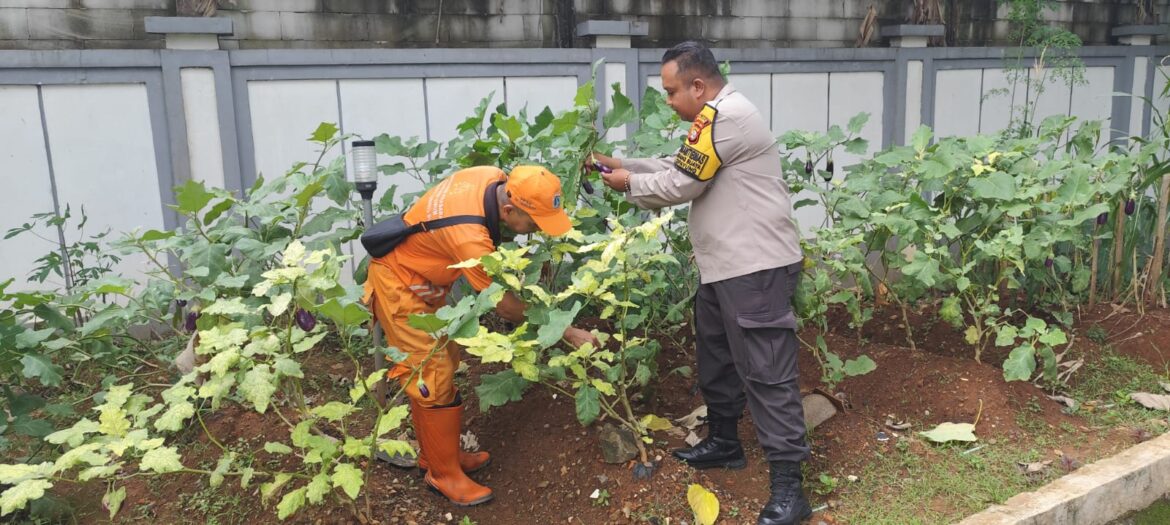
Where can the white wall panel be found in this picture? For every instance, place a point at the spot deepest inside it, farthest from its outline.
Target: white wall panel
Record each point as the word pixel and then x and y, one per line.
pixel 27 187
pixel 1094 99
pixel 202 115
pixel 451 100
pixel 757 89
pixel 853 93
pixel 614 73
pixel 914 103
pixel 1000 94
pixel 1137 110
pixel 103 157
pixel 1051 95
pixel 800 101
pixel 392 106
pixel 956 102
pixel 537 92
pixel 284 115
pixel 1161 103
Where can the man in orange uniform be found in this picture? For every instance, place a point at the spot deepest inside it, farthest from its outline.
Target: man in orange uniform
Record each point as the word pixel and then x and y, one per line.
pixel 415 277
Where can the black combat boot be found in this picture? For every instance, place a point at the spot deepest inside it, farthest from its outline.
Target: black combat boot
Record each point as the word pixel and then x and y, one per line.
pixel 787 506
pixel 720 448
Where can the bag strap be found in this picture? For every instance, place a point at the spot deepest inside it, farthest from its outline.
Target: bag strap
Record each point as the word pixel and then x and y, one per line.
pixel 448 221
pixel 491 212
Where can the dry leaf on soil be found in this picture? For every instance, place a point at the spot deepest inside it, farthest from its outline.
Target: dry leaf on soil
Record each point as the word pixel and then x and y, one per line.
pixel 1069 402
pixel 653 423
pixel 1153 401
pixel 901 425
pixel 468 441
pixel 1032 468
pixel 694 419
pixel 951 432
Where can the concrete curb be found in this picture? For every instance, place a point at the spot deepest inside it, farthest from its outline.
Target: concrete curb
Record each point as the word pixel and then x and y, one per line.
pixel 1095 494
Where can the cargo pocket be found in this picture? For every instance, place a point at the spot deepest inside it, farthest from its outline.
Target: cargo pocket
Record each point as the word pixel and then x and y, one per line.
pixel 768 336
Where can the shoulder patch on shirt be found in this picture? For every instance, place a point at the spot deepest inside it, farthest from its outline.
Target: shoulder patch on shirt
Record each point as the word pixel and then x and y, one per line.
pixel 697 156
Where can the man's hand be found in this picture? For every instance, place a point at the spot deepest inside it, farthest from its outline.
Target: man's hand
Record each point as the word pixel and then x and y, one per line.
pixel 577 337
pixel 619 180
pixel 511 308
pixel 604 160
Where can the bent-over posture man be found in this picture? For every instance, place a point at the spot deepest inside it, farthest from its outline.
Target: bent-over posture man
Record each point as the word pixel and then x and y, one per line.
pixel 415 277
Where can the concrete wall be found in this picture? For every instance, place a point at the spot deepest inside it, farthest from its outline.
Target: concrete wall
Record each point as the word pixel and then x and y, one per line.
pixel 115 131
pixel 97 24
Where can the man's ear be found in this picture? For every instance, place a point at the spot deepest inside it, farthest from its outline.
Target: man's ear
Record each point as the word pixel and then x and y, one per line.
pixel 699 84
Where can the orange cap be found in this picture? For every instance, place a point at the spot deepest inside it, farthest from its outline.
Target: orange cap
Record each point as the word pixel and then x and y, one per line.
pixel 538 192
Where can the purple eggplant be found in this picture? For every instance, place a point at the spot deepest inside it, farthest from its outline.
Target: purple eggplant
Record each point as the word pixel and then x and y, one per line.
pixel 305 320
pixel 1048 262
pixel 422 389
pixel 1130 206
pixel 1103 218
pixel 181 303
pixel 191 318
pixel 808 167
pixel 597 166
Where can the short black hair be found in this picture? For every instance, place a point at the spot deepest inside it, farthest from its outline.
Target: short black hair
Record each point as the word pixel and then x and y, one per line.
pixel 694 59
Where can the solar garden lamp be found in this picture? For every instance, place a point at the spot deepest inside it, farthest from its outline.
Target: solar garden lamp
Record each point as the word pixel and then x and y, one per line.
pixel 365 178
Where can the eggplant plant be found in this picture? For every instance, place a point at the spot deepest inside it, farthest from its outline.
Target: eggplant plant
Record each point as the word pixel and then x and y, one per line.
pixel 612 280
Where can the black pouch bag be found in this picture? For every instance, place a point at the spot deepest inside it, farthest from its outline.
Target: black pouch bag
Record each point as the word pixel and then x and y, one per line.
pixel 381 238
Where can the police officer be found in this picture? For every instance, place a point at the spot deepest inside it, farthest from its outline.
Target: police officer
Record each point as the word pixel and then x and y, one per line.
pixel 748 252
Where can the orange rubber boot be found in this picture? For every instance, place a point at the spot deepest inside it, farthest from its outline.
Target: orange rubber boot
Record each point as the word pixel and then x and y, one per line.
pixel 437 430
pixel 468 461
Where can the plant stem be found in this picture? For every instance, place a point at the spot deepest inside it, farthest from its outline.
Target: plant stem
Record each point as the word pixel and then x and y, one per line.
pixel 622 392
pixel 206 431
pixel 1154 284
pixel 1093 267
pixel 1118 239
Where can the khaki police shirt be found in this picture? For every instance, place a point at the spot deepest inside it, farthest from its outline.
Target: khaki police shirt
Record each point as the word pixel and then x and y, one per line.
pixel 740 221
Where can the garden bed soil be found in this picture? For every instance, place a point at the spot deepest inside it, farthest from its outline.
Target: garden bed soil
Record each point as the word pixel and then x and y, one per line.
pixel 546 465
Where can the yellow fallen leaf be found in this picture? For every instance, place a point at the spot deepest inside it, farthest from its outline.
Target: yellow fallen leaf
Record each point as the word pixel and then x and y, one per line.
pixel 653 423
pixel 703 503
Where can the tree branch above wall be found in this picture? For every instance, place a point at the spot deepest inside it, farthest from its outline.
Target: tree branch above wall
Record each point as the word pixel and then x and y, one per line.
pixel 195 7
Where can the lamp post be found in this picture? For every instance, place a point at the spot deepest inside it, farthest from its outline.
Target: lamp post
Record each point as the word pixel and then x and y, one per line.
pixel 365 177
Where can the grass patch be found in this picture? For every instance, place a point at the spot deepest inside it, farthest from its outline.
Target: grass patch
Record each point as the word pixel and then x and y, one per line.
pixel 923 484
pixel 1115 374
pixel 1156 514
pixel 1111 380
pixel 217 507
